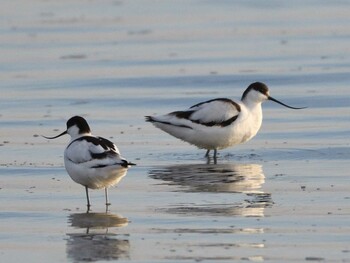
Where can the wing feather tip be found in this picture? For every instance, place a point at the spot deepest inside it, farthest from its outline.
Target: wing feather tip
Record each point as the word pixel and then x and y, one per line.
pixel 149 119
pixel 126 164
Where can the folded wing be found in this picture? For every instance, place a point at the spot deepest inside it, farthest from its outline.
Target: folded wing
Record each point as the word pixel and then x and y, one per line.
pixel 97 152
pixel 217 112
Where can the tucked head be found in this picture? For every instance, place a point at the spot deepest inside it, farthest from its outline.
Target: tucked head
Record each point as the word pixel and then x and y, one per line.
pixel 75 126
pixel 258 92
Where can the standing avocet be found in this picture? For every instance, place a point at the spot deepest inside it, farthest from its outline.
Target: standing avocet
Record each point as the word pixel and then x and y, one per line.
pixel 218 123
pixel 91 161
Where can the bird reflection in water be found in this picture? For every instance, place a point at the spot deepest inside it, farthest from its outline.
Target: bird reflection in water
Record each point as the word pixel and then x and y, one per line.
pixel 97 242
pixel 245 180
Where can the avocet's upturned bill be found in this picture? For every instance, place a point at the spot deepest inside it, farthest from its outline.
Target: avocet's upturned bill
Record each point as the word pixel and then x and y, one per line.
pixel 218 123
pixel 92 161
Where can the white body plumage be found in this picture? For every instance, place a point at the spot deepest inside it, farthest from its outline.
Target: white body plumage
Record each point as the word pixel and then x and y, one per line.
pixel 87 170
pixel 92 161
pixel 218 123
pixel 245 127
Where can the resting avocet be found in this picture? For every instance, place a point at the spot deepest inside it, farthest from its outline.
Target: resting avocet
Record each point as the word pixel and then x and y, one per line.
pixel 91 161
pixel 218 123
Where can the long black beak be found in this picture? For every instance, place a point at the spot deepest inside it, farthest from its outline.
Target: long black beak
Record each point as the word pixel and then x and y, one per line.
pixel 63 133
pixel 285 105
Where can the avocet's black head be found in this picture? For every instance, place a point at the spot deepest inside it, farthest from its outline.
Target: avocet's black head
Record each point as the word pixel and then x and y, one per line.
pixel 258 92
pixel 75 126
pixel 259 87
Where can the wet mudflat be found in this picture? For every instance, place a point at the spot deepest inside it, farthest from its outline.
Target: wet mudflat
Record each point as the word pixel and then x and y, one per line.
pixel 282 197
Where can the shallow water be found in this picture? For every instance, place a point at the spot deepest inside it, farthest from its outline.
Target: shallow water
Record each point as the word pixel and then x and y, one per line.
pixel 282 197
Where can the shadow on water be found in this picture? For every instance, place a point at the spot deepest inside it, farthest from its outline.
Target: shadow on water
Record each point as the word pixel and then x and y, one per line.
pixel 243 180
pixel 97 242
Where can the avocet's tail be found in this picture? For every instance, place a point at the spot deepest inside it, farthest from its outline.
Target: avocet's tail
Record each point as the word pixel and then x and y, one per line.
pixel 149 119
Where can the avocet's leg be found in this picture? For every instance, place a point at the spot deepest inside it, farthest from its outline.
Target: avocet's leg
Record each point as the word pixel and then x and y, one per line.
pixel 87 198
pixel 106 194
pixel 207 153
pixel 215 152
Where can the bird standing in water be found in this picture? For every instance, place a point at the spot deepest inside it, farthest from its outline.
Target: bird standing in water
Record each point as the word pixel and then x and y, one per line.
pixel 92 161
pixel 218 123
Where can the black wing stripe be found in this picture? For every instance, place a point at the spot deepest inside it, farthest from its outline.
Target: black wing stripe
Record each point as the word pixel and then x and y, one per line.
pixel 182 114
pixel 221 124
pixel 123 163
pixel 105 144
pixel 187 114
pixel 236 105
pixel 172 124
pixel 102 155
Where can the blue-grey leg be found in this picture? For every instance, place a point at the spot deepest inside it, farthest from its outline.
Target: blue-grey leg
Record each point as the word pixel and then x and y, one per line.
pixel 87 197
pixel 215 152
pixel 106 194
